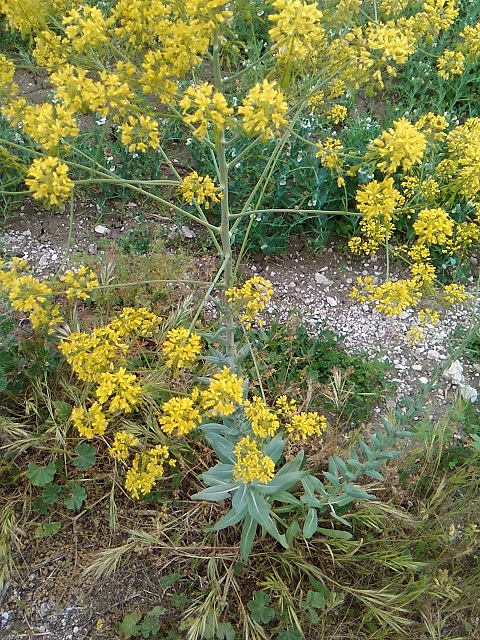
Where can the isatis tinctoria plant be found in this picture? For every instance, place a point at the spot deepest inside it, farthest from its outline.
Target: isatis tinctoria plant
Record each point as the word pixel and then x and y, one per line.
pixel 140 69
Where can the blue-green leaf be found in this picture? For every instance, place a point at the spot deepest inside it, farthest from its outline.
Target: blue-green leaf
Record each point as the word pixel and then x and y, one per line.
pixel 222 447
pixel 259 509
pixel 76 497
pixel 274 448
pixel 280 482
pixel 335 533
pixel 239 497
pixel 216 493
pixel 221 472
pixel 230 518
pixel 311 524
pixel 249 530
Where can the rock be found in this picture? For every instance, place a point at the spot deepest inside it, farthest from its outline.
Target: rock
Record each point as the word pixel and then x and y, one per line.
pixel 102 230
pixel 321 279
pixel 423 380
pixel 468 393
pixel 333 302
pixel 187 232
pixel 455 372
pixel 417 367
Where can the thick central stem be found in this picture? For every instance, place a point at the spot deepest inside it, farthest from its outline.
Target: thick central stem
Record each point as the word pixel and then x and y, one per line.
pixel 226 237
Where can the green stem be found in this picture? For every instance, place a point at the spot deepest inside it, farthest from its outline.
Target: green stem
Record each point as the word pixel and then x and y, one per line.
pixel 69 238
pixel 225 235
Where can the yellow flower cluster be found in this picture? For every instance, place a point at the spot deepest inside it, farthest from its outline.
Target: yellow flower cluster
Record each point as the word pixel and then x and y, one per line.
pixel 252 465
pixel 180 415
pixel 265 422
pixel 462 167
pixel 121 389
pixel 298 32
pixel 181 347
pixel 378 202
pixel 49 124
pixel 337 113
pixel 223 395
pixel 454 293
pixel 139 133
pixel 79 283
pixel 200 106
pixel 331 156
pixel 122 442
pixel 428 316
pixel 92 354
pixel 146 469
pixel 87 28
pixel 392 42
pixel 251 298
pixel 391 297
pixel 211 13
pixel 200 188
pixel 305 425
pixel 403 145
pixel 433 226
pixel 30 295
pixel 264 110
pixel 48 180
pixel 90 423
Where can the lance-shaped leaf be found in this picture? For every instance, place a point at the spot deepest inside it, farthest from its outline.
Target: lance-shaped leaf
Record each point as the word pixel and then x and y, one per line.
pixel 259 509
pixel 218 474
pixel 222 447
pixel 230 518
pixel 280 482
pixel 274 448
pixel 249 530
pixel 311 523
pixel 217 492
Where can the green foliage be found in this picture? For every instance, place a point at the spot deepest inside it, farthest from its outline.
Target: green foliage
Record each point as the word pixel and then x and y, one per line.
pixel 259 609
pixel 290 359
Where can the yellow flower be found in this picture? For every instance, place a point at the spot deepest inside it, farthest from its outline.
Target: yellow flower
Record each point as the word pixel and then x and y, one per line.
pixel 263 110
pixel 48 180
pixel 224 392
pixel 180 414
pixel 305 425
pixel 79 283
pixel 298 31
pixel 415 335
pixel 203 107
pixel 433 226
pixel 86 28
pixel 181 347
pixel 337 114
pixel 450 63
pixel 403 145
pixel 146 469
pixel 122 441
pixel 89 423
pixel 121 388
pixel 264 421
pixel 200 188
pixel 454 293
pixel 49 124
pixel 428 316
pixel 139 133
pixel 251 463
pixel 251 298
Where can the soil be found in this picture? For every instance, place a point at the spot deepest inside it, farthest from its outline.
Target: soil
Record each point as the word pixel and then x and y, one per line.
pixel 50 597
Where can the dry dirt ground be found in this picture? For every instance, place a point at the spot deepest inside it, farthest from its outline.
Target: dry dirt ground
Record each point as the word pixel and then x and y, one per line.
pixel 50 597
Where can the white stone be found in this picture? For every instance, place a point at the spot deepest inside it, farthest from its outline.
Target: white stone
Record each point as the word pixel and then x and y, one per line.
pixel 423 380
pixel 417 367
pixel 102 230
pixel 321 279
pixel 187 232
pixel 468 393
pixel 333 302
pixel 455 372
